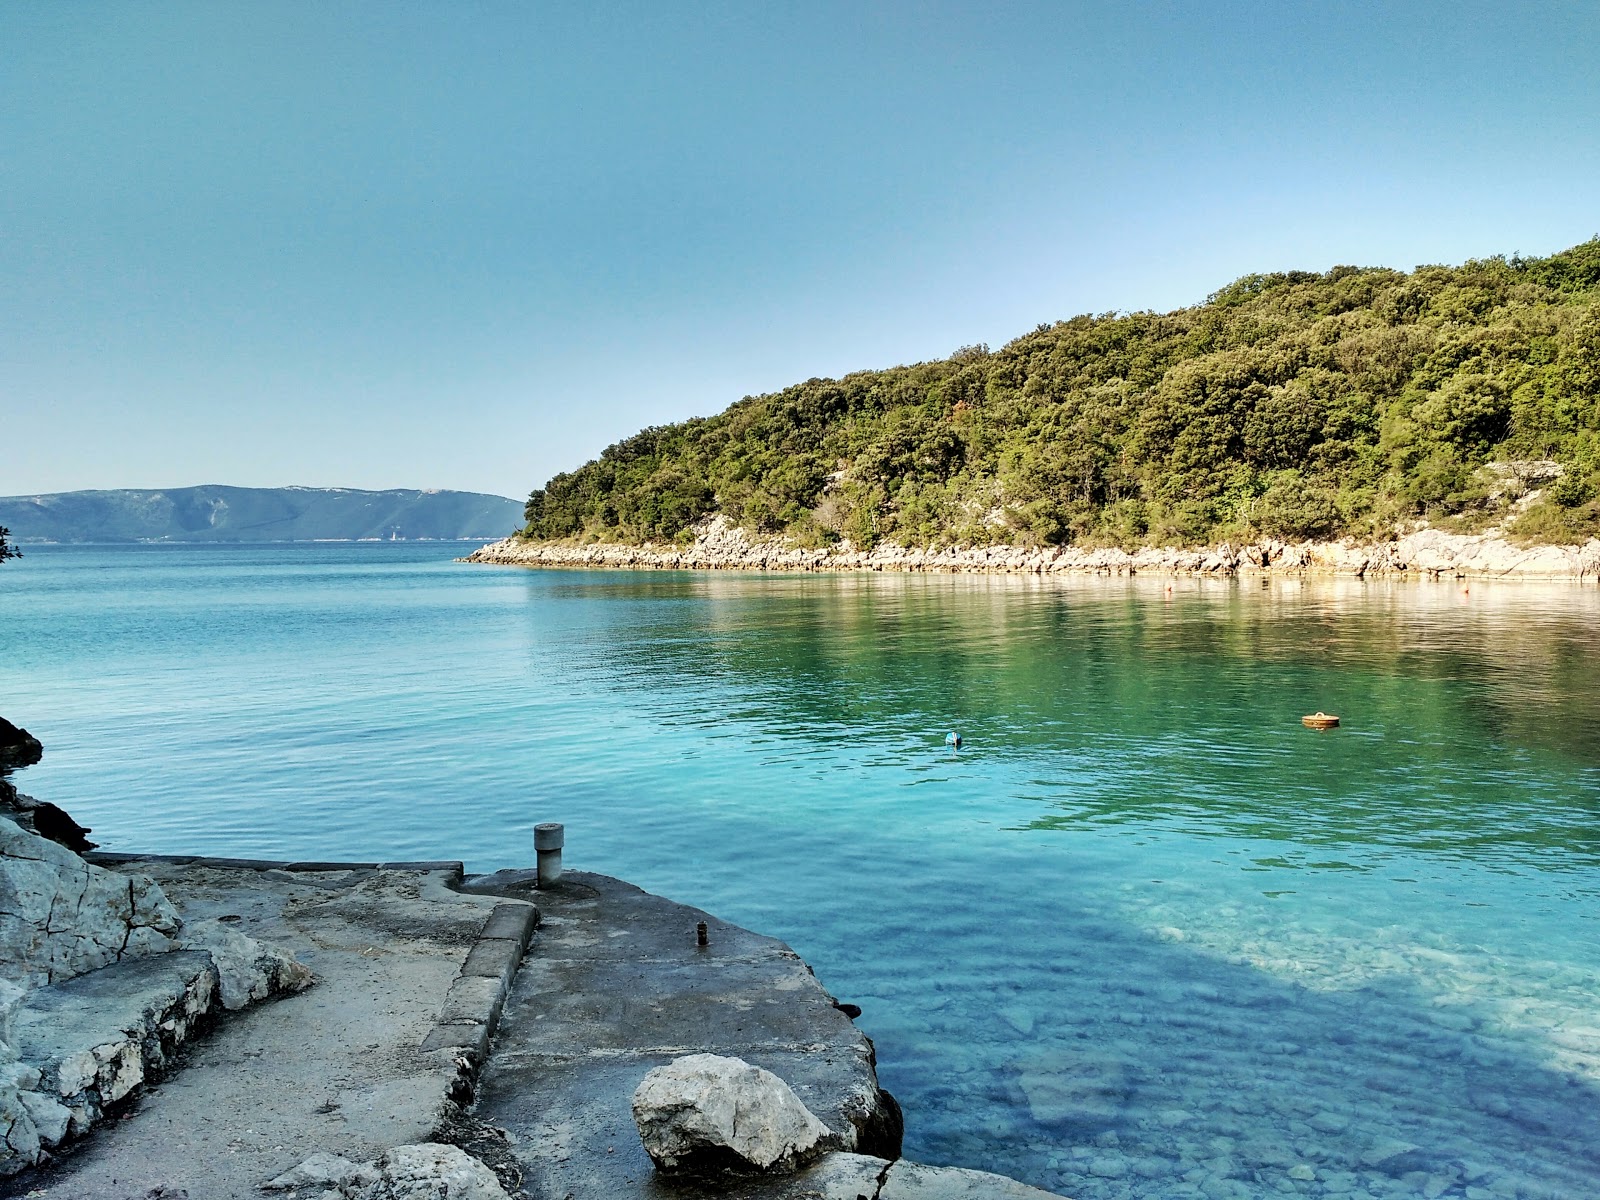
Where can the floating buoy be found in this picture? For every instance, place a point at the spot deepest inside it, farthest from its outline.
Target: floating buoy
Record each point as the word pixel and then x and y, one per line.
pixel 1320 720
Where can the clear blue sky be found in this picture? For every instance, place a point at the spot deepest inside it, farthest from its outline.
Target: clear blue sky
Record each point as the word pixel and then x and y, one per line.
pixel 469 245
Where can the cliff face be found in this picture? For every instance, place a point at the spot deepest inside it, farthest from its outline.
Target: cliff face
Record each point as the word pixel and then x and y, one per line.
pixel 1427 553
pixel 214 513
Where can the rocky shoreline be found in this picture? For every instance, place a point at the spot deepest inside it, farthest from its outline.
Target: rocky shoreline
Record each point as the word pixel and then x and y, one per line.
pixel 1423 554
pixel 412 1032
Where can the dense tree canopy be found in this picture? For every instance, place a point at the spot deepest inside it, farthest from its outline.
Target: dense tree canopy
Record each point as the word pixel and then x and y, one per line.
pixel 7 550
pixel 1296 404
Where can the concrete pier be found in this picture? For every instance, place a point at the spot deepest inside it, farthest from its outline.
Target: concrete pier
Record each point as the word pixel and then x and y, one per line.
pixel 440 1013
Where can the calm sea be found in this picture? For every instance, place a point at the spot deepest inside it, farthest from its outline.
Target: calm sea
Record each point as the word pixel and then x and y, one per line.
pixel 1143 935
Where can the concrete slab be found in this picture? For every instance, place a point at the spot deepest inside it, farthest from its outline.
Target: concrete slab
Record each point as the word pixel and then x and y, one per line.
pixel 339 1067
pixel 615 984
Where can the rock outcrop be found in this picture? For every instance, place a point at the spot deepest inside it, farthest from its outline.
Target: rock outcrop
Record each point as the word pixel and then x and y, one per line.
pixel 706 1113
pixel 100 983
pixel 61 917
pixel 18 747
pixel 43 818
pixel 419 1172
pixel 1424 553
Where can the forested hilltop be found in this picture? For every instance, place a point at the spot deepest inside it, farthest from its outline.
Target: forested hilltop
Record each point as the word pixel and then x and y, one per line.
pixel 1297 405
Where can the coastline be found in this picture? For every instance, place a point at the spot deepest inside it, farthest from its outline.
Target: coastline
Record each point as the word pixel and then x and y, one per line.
pixel 424 1030
pixel 1424 554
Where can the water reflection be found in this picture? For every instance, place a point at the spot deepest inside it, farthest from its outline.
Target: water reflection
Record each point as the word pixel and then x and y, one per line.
pixel 1472 719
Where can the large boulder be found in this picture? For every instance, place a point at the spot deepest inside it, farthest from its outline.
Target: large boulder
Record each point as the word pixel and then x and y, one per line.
pixel 61 917
pixel 706 1113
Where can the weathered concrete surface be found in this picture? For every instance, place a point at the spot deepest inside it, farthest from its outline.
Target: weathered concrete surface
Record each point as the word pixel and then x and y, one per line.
pixel 340 1067
pixel 615 985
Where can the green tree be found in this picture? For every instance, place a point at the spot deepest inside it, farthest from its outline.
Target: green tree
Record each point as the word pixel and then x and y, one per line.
pixel 7 550
pixel 1301 403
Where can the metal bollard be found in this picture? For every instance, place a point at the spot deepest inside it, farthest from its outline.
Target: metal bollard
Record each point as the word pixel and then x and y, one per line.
pixel 548 839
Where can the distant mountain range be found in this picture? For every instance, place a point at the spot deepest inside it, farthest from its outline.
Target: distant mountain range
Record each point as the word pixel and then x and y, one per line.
pixel 213 513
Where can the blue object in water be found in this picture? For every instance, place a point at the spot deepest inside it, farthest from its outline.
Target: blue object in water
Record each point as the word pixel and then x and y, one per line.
pixel 953 739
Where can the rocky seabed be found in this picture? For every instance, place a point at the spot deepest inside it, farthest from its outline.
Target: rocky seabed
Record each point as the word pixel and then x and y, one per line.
pixel 1426 553
pixel 1226 1054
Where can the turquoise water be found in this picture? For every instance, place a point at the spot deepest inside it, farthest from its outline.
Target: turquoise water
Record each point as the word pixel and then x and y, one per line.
pixel 1142 936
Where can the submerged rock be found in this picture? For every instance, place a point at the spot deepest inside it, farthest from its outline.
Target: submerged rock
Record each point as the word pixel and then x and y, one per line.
pixel 707 1113
pixel 1074 1089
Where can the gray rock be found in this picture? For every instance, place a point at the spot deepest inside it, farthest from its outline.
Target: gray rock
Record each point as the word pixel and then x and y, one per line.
pixel 328 1171
pixel 425 1171
pixel 431 1170
pixel 50 1119
pixel 710 1112
pixel 114 916
pixel 247 970
pixel 19 1144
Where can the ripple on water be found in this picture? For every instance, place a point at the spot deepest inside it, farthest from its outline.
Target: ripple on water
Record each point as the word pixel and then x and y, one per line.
pixel 1143 936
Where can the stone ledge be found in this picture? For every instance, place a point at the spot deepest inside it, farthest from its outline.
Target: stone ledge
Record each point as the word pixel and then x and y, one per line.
pixel 454 869
pixel 477 996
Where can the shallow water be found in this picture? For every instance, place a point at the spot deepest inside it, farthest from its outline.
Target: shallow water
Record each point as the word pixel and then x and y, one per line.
pixel 1142 936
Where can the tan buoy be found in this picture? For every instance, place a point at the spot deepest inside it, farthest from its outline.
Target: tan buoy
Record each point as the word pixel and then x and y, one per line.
pixel 1320 720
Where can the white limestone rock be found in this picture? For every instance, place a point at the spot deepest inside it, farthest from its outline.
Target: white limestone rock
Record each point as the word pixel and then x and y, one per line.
pixel 19 1137
pixel 247 970
pixel 61 917
pixel 10 997
pixel 430 1170
pixel 425 1171
pixel 707 1111
pixel 325 1171
pixel 50 1119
